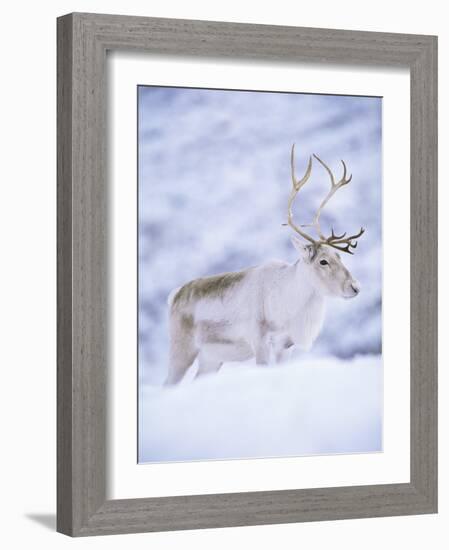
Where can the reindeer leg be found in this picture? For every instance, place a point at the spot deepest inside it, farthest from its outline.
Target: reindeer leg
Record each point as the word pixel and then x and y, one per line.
pixel 262 355
pixel 283 355
pixel 282 350
pixel 183 350
pixel 176 375
pixel 262 351
pixel 207 362
pixel 262 344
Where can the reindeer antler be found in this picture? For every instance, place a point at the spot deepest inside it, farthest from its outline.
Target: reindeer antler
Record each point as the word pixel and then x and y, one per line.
pixel 296 186
pixel 340 242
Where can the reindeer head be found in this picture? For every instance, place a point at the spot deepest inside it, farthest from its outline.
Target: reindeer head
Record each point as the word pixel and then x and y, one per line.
pixel 320 255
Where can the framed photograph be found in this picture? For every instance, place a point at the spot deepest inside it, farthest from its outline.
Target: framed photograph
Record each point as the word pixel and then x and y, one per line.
pixel 247 281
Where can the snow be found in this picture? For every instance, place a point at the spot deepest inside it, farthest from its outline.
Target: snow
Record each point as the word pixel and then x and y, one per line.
pixel 304 407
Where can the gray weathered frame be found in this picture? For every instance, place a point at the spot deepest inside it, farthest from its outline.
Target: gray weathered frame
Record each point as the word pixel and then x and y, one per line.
pixel 83 40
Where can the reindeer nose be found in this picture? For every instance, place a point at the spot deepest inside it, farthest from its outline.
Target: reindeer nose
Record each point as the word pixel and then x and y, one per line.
pixel 355 287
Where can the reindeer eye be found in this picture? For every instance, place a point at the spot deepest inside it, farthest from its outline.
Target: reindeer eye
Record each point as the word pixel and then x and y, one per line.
pixel 324 262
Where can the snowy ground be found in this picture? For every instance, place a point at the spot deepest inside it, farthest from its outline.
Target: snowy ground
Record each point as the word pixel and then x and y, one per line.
pixel 305 407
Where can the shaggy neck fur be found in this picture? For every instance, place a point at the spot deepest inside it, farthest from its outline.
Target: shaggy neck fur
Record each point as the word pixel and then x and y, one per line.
pixel 294 298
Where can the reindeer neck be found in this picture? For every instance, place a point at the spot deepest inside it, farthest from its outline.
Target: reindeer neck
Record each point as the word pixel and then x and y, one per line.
pixel 304 290
pixel 293 292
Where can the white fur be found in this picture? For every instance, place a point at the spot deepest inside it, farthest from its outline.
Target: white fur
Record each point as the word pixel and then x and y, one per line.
pixel 273 307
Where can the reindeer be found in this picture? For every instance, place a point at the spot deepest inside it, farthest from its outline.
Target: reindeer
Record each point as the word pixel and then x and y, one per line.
pixel 262 311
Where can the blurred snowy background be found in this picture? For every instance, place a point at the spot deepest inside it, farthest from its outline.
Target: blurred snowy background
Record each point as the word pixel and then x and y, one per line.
pixel 214 179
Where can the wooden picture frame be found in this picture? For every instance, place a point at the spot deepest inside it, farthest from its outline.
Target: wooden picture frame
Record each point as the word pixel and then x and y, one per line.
pixel 83 40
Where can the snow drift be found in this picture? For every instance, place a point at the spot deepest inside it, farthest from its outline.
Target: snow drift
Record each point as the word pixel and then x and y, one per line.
pixel 305 407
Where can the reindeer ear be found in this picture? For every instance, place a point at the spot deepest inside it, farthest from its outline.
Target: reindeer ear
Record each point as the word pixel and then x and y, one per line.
pixel 306 251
